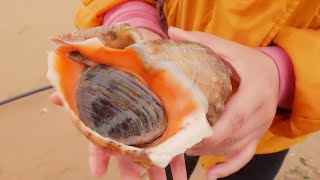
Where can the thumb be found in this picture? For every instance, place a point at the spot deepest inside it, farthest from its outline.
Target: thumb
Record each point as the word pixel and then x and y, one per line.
pixel 181 35
pixel 220 46
pixel 233 164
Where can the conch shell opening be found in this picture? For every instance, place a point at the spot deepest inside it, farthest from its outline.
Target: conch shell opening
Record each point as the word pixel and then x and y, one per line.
pixel 149 100
pixel 117 105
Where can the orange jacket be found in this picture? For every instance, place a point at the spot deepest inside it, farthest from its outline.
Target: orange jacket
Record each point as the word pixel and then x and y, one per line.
pixel 293 25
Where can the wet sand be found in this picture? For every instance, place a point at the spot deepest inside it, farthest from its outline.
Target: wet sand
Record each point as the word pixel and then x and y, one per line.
pixel 38 140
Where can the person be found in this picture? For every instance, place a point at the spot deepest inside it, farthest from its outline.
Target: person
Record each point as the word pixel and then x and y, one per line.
pixel 273 50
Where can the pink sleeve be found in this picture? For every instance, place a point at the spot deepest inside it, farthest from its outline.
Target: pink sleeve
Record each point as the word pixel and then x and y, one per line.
pixel 286 73
pixel 136 13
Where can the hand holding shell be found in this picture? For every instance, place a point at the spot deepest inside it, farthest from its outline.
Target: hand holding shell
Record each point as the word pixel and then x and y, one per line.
pixel 150 100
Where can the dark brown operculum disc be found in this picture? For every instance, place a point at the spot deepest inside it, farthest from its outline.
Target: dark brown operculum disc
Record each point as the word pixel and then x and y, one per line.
pixel 115 104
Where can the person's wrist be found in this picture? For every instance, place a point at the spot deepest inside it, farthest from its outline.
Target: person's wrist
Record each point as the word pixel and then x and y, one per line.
pixel 137 14
pixel 286 75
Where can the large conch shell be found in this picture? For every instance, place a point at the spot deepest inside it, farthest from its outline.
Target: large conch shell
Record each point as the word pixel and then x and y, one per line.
pixel 149 100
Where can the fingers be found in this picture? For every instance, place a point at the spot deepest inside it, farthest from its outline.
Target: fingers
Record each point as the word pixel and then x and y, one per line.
pixel 193 36
pixel 178 168
pixel 217 44
pixel 54 98
pixel 98 160
pixel 234 126
pixel 128 169
pixel 149 35
pixel 234 163
pixel 235 113
pixel 221 47
pixel 233 117
pixel 157 173
pixel 228 147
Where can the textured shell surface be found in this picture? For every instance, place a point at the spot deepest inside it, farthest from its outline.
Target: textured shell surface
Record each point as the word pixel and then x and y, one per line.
pixel 149 100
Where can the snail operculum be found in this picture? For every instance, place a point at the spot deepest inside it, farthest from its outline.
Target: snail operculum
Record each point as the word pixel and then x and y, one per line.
pixel 117 105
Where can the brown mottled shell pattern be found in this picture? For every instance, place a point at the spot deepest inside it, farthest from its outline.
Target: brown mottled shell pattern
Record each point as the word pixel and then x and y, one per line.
pixel 203 68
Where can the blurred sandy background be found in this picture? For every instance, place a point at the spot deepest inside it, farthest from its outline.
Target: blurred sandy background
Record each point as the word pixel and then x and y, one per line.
pixel 37 139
